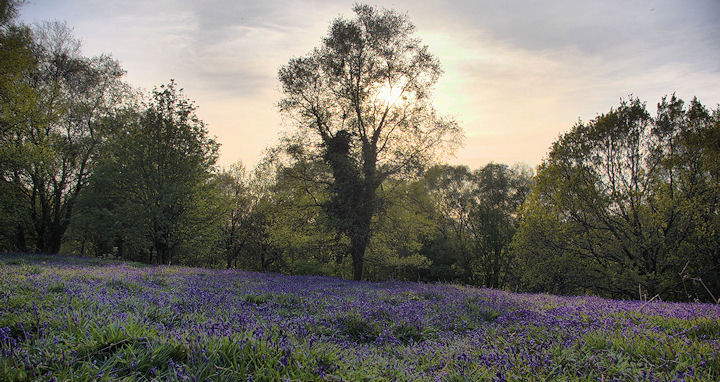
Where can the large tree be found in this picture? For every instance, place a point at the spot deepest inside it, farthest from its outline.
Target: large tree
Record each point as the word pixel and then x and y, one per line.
pixel 362 103
pixel 16 96
pixel 53 98
pixel 154 182
pixel 626 200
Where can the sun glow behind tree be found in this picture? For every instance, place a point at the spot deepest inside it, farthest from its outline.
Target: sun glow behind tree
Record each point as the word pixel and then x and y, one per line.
pixel 364 97
pixel 392 94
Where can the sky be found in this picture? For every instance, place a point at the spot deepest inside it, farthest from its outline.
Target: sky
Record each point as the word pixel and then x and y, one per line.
pixel 517 74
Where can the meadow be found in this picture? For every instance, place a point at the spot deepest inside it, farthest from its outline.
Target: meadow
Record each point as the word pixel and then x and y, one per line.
pixel 65 318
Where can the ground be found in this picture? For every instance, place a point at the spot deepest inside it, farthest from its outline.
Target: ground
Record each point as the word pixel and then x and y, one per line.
pixel 68 318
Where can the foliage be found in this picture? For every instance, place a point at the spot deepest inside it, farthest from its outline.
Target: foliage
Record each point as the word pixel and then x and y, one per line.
pixel 52 101
pixel 364 99
pixel 476 220
pixel 235 193
pixel 305 239
pixel 298 227
pixel 153 192
pixel 401 228
pixel 626 200
pixel 248 237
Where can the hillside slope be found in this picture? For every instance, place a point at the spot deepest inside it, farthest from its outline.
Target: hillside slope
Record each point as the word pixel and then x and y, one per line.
pixel 88 319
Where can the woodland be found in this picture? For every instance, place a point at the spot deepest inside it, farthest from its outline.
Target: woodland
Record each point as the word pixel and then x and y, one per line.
pixel 624 205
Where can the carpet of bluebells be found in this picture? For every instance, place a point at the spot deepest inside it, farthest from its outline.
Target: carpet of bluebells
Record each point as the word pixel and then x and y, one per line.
pixel 80 319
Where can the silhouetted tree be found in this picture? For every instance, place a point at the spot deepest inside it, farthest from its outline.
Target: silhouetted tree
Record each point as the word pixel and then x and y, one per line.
pixel 364 97
pixel 476 213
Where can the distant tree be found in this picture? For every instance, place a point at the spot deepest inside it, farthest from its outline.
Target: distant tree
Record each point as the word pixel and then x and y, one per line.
pixel 403 225
pixel 451 190
pixel 250 208
pixel 477 218
pixel 155 181
pixel 633 201
pixel 362 103
pixel 235 193
pixel 52 100
pixel 493 221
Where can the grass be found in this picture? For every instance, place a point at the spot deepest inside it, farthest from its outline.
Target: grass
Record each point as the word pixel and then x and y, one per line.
pixel 69 319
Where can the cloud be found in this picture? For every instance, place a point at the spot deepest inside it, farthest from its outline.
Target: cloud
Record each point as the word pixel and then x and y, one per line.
pixel 517 73
pixel 602 28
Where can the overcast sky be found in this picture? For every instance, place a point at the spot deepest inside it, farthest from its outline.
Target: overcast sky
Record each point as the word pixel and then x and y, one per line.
pixel 517 73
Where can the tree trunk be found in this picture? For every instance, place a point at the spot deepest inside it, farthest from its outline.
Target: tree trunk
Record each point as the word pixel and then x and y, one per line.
pixel 262 258
pixel 20 243
pixel 353 199
pixel 121 250
pixel 162 252
pixel 359 240
pixel 358 246
pixel 55 239
pixel 49 239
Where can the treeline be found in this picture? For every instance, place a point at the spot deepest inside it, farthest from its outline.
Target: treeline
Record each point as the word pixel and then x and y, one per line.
pixel 627 204
pixel 623 205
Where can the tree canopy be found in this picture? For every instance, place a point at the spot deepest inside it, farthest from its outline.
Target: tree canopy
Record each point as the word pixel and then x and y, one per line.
pixel 364 97
pixel 53 99
pixel 626 200
pixel 154 179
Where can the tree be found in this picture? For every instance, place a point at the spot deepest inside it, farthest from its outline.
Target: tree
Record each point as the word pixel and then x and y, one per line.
pixel 16 96
pixel 234 190
pixel 250 208
pixel 630 196
pixel 364 98
pixel 477 217
pixel 53 101
pixel 493 221
pixel 451 189
pixel 299 228
pixel 404 224
pixel 17 56
pixel 8 11
pixel 155 181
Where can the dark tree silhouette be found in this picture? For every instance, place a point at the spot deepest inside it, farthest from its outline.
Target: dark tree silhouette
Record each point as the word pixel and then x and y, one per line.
pixel 363 96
